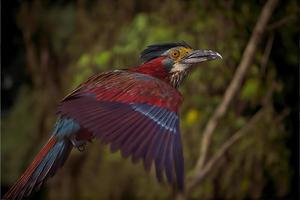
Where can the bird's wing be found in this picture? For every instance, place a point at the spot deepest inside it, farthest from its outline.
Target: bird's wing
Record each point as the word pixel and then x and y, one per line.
pixel 135 113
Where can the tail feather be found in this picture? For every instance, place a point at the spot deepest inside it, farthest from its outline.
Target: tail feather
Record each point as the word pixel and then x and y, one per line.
pixel 49 159
pixel 42 171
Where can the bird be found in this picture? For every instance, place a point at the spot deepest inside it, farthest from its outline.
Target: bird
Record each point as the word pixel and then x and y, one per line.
pixel 134 110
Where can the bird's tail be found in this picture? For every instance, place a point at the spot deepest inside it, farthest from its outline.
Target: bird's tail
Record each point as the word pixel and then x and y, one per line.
pixel 49 159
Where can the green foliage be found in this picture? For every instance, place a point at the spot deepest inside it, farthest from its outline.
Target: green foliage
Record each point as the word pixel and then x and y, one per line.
pixel 260 154
pixel 250 89
pixel 22 128
pixel 98 36
pixel 102 58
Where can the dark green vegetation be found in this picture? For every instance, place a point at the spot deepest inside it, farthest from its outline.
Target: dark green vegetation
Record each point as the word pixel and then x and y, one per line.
pixel 59 44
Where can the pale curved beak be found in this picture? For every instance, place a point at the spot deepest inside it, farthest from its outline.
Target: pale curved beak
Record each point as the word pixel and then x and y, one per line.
pixel 197 56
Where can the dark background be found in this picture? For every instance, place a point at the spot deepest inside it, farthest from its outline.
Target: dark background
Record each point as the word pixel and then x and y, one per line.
pixel 48 47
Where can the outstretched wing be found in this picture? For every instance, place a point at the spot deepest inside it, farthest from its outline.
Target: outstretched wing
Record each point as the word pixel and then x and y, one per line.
pixel 135 113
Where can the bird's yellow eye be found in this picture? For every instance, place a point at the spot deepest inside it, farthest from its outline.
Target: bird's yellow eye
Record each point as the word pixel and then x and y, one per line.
pixel 175 53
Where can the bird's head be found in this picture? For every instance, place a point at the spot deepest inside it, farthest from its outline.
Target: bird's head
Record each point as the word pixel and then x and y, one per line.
pixel 173 61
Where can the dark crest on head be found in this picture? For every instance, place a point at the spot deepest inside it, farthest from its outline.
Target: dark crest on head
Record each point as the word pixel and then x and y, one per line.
pixel 155 50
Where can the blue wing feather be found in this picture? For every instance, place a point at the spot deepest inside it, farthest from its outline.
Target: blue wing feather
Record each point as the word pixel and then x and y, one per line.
pixel 168 162
pixel 179 163
pixel 140 130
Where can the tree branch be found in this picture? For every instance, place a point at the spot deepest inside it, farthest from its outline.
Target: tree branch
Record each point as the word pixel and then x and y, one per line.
pixel 236 82
pixel 200 175
pixel 266 55
pixel 281 22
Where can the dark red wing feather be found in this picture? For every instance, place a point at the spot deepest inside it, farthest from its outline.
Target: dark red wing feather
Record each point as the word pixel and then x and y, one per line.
pixel 129 87
pixel 135 113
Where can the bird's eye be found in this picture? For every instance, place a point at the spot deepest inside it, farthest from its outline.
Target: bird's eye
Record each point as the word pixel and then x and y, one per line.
pixel 175 54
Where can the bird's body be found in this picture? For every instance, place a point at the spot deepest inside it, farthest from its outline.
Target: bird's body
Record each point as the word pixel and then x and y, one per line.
pixel 134 110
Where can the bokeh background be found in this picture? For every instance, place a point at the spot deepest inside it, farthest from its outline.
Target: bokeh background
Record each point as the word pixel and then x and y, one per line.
pixel 49 47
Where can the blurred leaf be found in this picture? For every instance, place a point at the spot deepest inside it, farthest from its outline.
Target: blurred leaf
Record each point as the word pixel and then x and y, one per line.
pixel 102 58
pixel 192 116
pixel 250 89
pixel 84 61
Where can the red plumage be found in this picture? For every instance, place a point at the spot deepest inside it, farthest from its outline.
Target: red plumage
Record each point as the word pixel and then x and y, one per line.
pixel 154 68
pixel 24 179
pixel 130 87
pixel 134 110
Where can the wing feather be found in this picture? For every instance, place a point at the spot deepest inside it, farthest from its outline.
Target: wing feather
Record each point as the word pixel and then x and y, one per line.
pixel 134 113
pixel 159 159
pixel 153 149
pixel 135 139
pixel 168 161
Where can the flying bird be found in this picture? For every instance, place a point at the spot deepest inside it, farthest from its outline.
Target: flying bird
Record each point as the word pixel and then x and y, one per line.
pixel 135 110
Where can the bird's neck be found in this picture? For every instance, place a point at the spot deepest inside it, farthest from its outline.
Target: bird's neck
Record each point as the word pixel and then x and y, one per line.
pixel 154 68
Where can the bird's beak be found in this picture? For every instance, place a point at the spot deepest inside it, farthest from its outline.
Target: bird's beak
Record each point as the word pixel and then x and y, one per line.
pixel 197 56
